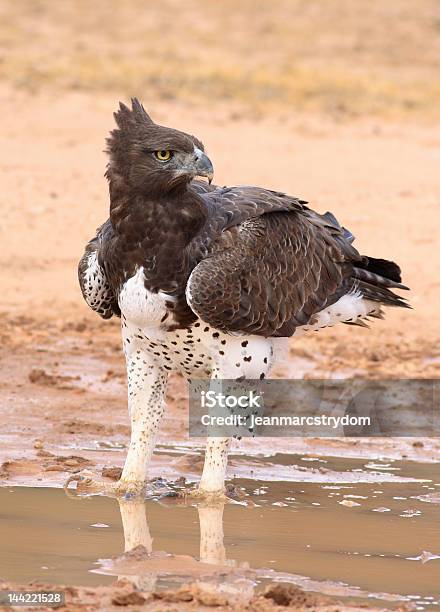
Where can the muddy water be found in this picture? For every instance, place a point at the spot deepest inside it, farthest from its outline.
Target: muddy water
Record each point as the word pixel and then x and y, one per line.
pixel 376 541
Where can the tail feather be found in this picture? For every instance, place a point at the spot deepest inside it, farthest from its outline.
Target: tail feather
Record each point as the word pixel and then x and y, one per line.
pixel 382 267
pixel 377 279
pixel 382 294
pixel 372 277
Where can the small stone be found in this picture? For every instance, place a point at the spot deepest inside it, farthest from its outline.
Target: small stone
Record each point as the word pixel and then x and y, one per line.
pixel 128 599
pixel 348 502
pixel 44 453
pixel 114 473
pixel 55 468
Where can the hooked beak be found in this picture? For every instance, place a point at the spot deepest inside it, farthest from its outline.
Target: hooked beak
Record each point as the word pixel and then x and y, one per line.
pixel 203 166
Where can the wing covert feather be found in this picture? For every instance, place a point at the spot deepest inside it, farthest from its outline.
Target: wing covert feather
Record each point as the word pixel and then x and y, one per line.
pixel 93 282
pixel 270 274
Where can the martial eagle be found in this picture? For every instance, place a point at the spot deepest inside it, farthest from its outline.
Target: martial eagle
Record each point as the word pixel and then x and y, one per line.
pixel 207 278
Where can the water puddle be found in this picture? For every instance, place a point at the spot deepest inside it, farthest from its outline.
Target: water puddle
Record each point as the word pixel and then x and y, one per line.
pixel 372 541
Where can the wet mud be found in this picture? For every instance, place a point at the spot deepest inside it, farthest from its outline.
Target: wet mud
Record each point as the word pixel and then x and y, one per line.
pixel 368 541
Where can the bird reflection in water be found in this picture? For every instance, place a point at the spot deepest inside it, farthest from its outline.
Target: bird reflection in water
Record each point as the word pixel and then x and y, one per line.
pixel 226 576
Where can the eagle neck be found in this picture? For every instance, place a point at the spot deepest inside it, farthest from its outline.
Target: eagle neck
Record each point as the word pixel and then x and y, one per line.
pixel 180 215
pixel 155 234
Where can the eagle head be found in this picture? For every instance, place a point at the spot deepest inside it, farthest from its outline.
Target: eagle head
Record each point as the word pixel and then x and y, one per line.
pixel 152 158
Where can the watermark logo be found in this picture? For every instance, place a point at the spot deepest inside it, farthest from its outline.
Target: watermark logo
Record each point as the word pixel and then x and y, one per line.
pixel 289 408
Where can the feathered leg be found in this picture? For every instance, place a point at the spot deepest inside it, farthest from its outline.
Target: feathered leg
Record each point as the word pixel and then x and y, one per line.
pixel 249 358
pixel 146 390
pixel 212 482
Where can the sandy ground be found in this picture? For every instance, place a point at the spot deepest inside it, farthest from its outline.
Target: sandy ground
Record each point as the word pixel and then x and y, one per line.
pixel 62 374
pixel 332 105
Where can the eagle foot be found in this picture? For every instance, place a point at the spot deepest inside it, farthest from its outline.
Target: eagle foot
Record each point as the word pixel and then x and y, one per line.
pixel 229 492
pixel 201 495
pixel 87 484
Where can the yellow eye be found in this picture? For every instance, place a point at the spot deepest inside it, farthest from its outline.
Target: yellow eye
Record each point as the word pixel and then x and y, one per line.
pixel 163 155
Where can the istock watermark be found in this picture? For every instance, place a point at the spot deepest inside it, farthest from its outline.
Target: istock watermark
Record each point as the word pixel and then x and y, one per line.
pixel 355 408
pixel 211 399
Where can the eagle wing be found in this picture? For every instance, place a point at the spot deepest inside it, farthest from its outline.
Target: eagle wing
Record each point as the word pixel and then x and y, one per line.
pixel 94 285
pixel 274 264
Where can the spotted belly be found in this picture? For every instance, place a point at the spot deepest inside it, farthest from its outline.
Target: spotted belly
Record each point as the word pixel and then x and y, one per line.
pixel 202 351
pixel 196 351
pixel 181 350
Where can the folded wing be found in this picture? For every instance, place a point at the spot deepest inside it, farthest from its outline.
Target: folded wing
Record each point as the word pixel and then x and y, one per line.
pixel 272 271
pixel 94 285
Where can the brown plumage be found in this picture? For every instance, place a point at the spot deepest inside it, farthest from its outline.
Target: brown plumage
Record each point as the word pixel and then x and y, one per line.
pixel 243 259
pixel 206 279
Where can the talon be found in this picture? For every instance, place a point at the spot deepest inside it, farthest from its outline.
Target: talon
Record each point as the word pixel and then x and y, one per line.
pixel 130 491
pixel 234 492
pixel 82 478
pixel 78 477
pixel 88 484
